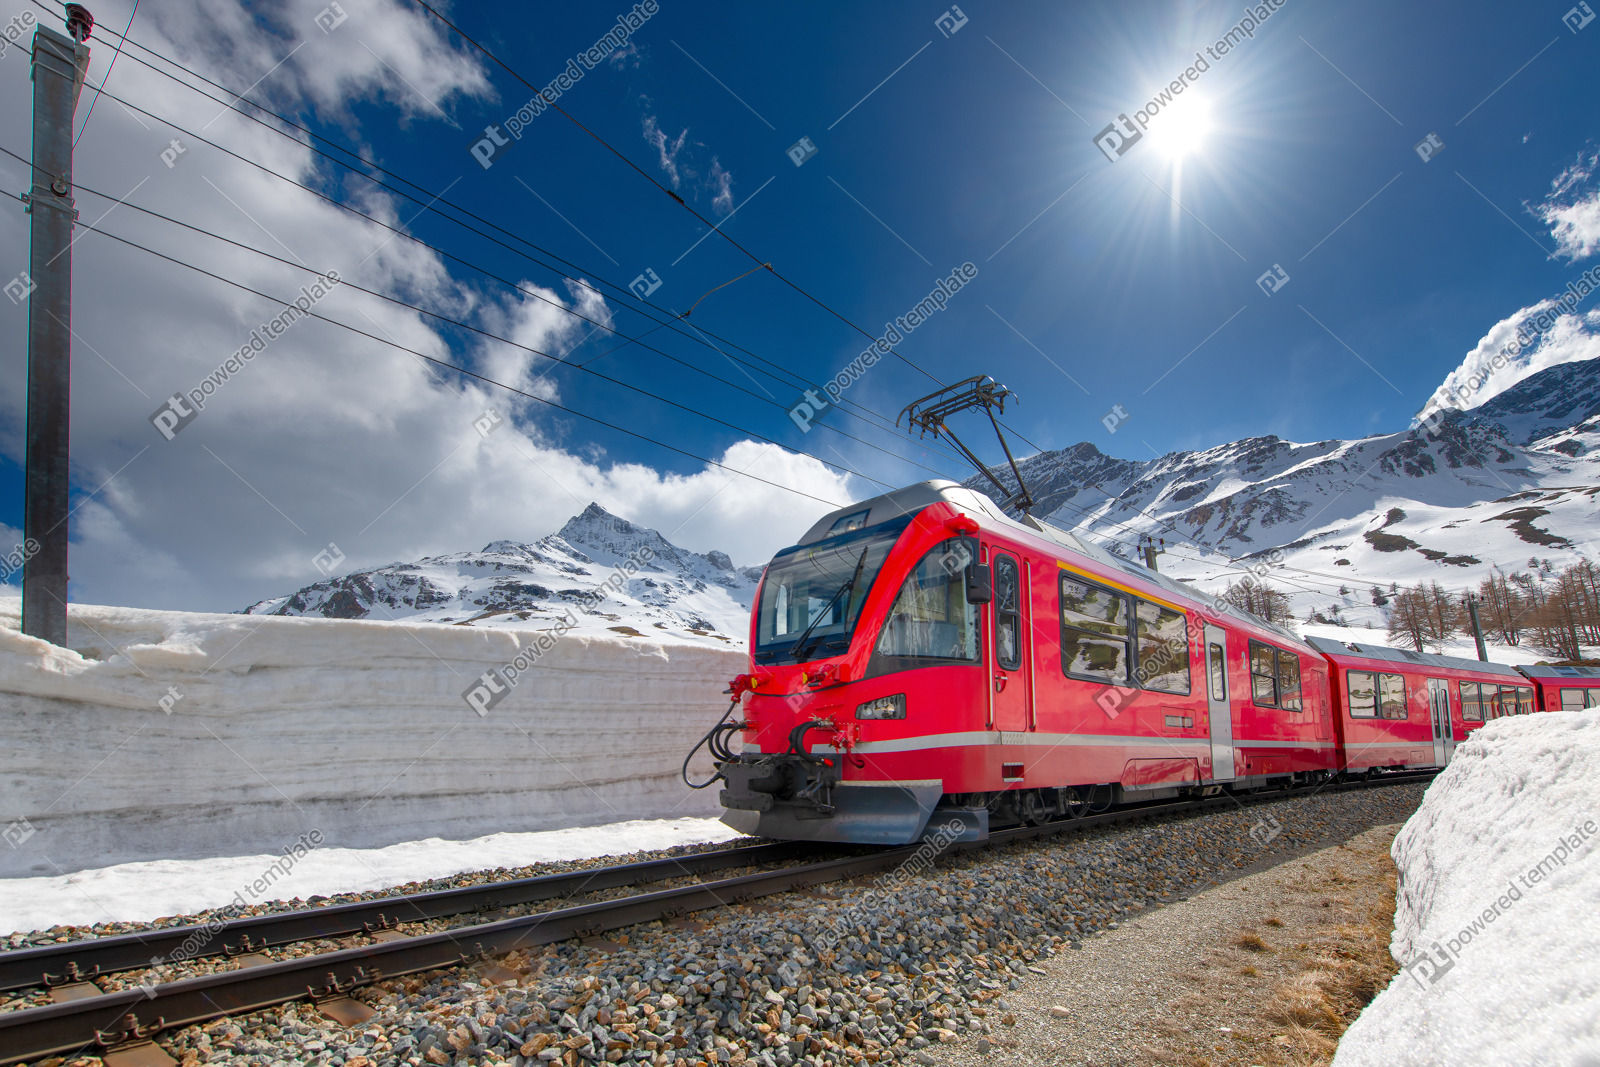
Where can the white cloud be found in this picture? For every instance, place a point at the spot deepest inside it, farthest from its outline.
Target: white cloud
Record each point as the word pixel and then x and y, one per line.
pixel 324 436
pixel 721 187
pixel 667 148
pixel 682 160
pixel 1516 348
pixel 1573 212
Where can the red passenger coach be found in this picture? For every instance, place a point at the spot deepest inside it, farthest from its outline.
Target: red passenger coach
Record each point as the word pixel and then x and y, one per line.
pixel 1401 709
pixel 923 650
pixel 1565 688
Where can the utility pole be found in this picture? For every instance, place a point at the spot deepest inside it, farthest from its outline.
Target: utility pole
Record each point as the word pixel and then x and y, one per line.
pixel 59 65
pixel 1477 627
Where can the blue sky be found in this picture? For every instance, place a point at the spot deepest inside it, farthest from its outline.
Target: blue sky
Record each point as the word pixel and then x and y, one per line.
pixel 943 136
pixel 1316 116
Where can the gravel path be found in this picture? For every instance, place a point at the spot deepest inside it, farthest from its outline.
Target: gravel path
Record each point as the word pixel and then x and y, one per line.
pixel 873 971
pixel 1208 980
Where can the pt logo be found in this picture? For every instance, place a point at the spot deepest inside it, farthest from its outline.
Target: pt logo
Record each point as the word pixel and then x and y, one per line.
pixel 1273 280
pixel 490 689
pixel 806 411
pixel 488 146
pixel 801 151
pixel 170 418
pixel 1429 147
pixel 645 284
pixel 1118 137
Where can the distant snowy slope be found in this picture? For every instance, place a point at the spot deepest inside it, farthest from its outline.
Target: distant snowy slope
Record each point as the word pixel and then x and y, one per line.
pixel 1518 477
pixel 673 592
pixel 1495 927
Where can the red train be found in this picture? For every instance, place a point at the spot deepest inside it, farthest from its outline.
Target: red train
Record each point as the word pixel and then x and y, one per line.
pixel 923 650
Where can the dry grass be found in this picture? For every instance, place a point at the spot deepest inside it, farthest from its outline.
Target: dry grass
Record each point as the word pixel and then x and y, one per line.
pixel 1288 1003
pixel 1251 943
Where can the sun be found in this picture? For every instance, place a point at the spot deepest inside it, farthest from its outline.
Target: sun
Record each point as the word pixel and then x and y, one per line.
pixel 1183 128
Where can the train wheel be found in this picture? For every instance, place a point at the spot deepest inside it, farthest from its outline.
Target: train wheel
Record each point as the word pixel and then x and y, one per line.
pixel 1031 807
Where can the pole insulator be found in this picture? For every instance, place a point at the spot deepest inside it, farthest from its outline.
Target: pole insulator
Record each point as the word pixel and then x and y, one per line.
pixel 79 22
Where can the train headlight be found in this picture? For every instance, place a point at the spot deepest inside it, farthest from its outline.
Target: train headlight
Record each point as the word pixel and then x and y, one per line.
pixel 883 708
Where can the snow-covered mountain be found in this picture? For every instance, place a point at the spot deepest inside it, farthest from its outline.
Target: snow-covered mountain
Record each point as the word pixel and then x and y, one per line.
pixel 669 592
pixel 1517 477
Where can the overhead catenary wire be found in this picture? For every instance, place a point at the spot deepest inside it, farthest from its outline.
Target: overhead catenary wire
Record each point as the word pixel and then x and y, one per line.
pixel 773 370
pixel 458 368
pixel 618 289
pixel 713 227
pixel 487 334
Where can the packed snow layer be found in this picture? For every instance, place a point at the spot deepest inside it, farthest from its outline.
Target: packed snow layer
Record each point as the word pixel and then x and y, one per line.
pixel 154 889
pixel 1497 923
pixel 181 735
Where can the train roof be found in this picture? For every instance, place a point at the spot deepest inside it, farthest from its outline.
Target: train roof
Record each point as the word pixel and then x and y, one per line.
pixel 1405 656
pixel 1576 673
pixel 913 498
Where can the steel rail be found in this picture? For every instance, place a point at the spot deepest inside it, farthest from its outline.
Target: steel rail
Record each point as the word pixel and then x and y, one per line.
pixel 97 1023
pixel 89 958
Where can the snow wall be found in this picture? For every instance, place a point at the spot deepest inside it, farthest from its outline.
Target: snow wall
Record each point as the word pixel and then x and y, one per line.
pixel 1497 921
pixel 183 735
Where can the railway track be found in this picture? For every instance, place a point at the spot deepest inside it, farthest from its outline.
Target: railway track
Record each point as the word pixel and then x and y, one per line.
pixel 120 1025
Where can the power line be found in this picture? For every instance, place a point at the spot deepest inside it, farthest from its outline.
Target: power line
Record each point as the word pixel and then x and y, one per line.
pixel 464 371
pixel 670 322
pixel 469 327
pixel 849 407
pixel 653 180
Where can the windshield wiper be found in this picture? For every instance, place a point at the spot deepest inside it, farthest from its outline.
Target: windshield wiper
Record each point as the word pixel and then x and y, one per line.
pixel 800 648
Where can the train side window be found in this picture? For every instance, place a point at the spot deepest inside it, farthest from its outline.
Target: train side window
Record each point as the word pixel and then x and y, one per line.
pixel 1094 632
pixel 1508 700
pixel 1471 708
pixel 1007 614
pixel 1288 681
pixel 1524 701
pixel 1572 699
pixel 1263 674
pixel 1392 695
pixel 1363 694
pixel 1163 648
pixel 1594 698
pixel 1219 673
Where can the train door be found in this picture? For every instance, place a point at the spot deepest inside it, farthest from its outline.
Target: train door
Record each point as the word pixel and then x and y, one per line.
pixel 1008 629
pixel 1444 731
pixel 1219 703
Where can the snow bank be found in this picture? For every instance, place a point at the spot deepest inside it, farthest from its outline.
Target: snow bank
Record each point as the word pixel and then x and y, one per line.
pixel 154 889
pixel 1497 924
pixel 182 735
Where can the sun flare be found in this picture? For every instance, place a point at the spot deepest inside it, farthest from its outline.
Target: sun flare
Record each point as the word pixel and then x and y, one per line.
pixel 1183 128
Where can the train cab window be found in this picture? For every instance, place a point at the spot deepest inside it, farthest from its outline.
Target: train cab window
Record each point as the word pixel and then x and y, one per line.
pixel 931 621
pixel 1471 707
pixel 1094 632
pixel 1362 689
pixel 1392 696
pixel 1163 648
pixel 1007 614
pixel 1218 660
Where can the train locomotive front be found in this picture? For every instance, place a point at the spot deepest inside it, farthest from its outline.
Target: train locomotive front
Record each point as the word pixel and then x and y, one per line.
pixel 866 632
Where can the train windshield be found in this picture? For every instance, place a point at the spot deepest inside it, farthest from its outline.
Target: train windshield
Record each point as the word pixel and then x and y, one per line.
pixel 812 595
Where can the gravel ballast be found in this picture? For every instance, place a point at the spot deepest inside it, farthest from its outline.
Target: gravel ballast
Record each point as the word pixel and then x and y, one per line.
pixel 871 971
